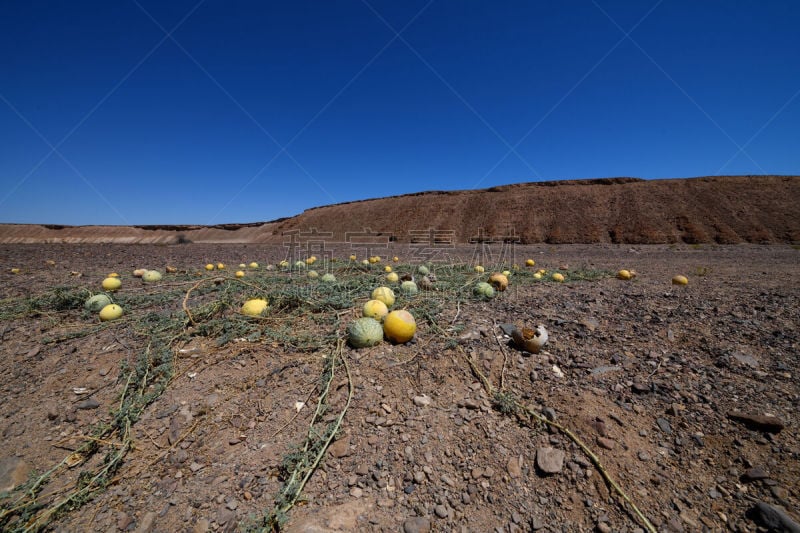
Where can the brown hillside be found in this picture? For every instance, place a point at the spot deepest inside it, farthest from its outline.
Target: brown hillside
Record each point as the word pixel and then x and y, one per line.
pixel 723 209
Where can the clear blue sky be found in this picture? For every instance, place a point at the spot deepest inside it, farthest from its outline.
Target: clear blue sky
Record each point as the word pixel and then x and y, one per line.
pixel 156 112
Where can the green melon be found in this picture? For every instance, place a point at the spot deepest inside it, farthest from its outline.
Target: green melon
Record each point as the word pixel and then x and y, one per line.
pixel 483 290
pixel 328 278
pixel 409 288
pixel 364 332
pixel 97 302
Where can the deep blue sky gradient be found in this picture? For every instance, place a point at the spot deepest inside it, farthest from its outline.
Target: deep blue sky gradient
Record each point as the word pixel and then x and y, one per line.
pixel 259 110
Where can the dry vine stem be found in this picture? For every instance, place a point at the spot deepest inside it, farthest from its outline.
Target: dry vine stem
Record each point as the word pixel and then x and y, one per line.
pixel 189 292
pixel 298 479
pixel 39 521
pixel 595 460
pixel 185 303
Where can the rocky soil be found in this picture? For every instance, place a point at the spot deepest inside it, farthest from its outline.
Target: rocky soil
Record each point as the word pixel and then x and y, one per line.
pixel 688 396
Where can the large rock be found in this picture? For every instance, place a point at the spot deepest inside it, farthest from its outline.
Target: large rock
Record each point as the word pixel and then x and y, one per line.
pixel 773 518
pixel 417 524
pixel 336 519
pixel 550 460
pixel 341 447
pixel 766 423
pixel 13 471
pixel 514 467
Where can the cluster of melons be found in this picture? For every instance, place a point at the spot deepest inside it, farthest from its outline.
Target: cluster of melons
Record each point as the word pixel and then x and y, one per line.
pixel 397 326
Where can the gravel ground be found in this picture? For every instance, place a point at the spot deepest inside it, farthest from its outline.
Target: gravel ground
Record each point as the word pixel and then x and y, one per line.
pixel 687 395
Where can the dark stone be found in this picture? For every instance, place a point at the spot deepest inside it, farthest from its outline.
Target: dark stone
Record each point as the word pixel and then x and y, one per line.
pixel 769 424
pixel 772 518
pixel 663 425
pixel 754 474
pixel 174 432
pixel 89 403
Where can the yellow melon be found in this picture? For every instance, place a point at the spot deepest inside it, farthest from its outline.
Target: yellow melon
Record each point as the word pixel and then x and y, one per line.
pixel 399 326
pixel 255 307
pixel 375 309
pixel 110 312
pixel 112 284
pixel 384 294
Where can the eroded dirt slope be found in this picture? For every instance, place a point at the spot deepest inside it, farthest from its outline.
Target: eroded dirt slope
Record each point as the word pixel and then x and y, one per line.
pixel 721 209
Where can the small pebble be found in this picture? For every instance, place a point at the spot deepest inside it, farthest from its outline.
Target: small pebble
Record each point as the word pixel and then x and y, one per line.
pixel 422 401
pixel 663 425
pixel 605 443
pixel 89 403
pixel 147 523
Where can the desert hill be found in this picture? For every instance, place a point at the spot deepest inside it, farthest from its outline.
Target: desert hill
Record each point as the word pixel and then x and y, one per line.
pixel 720 209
